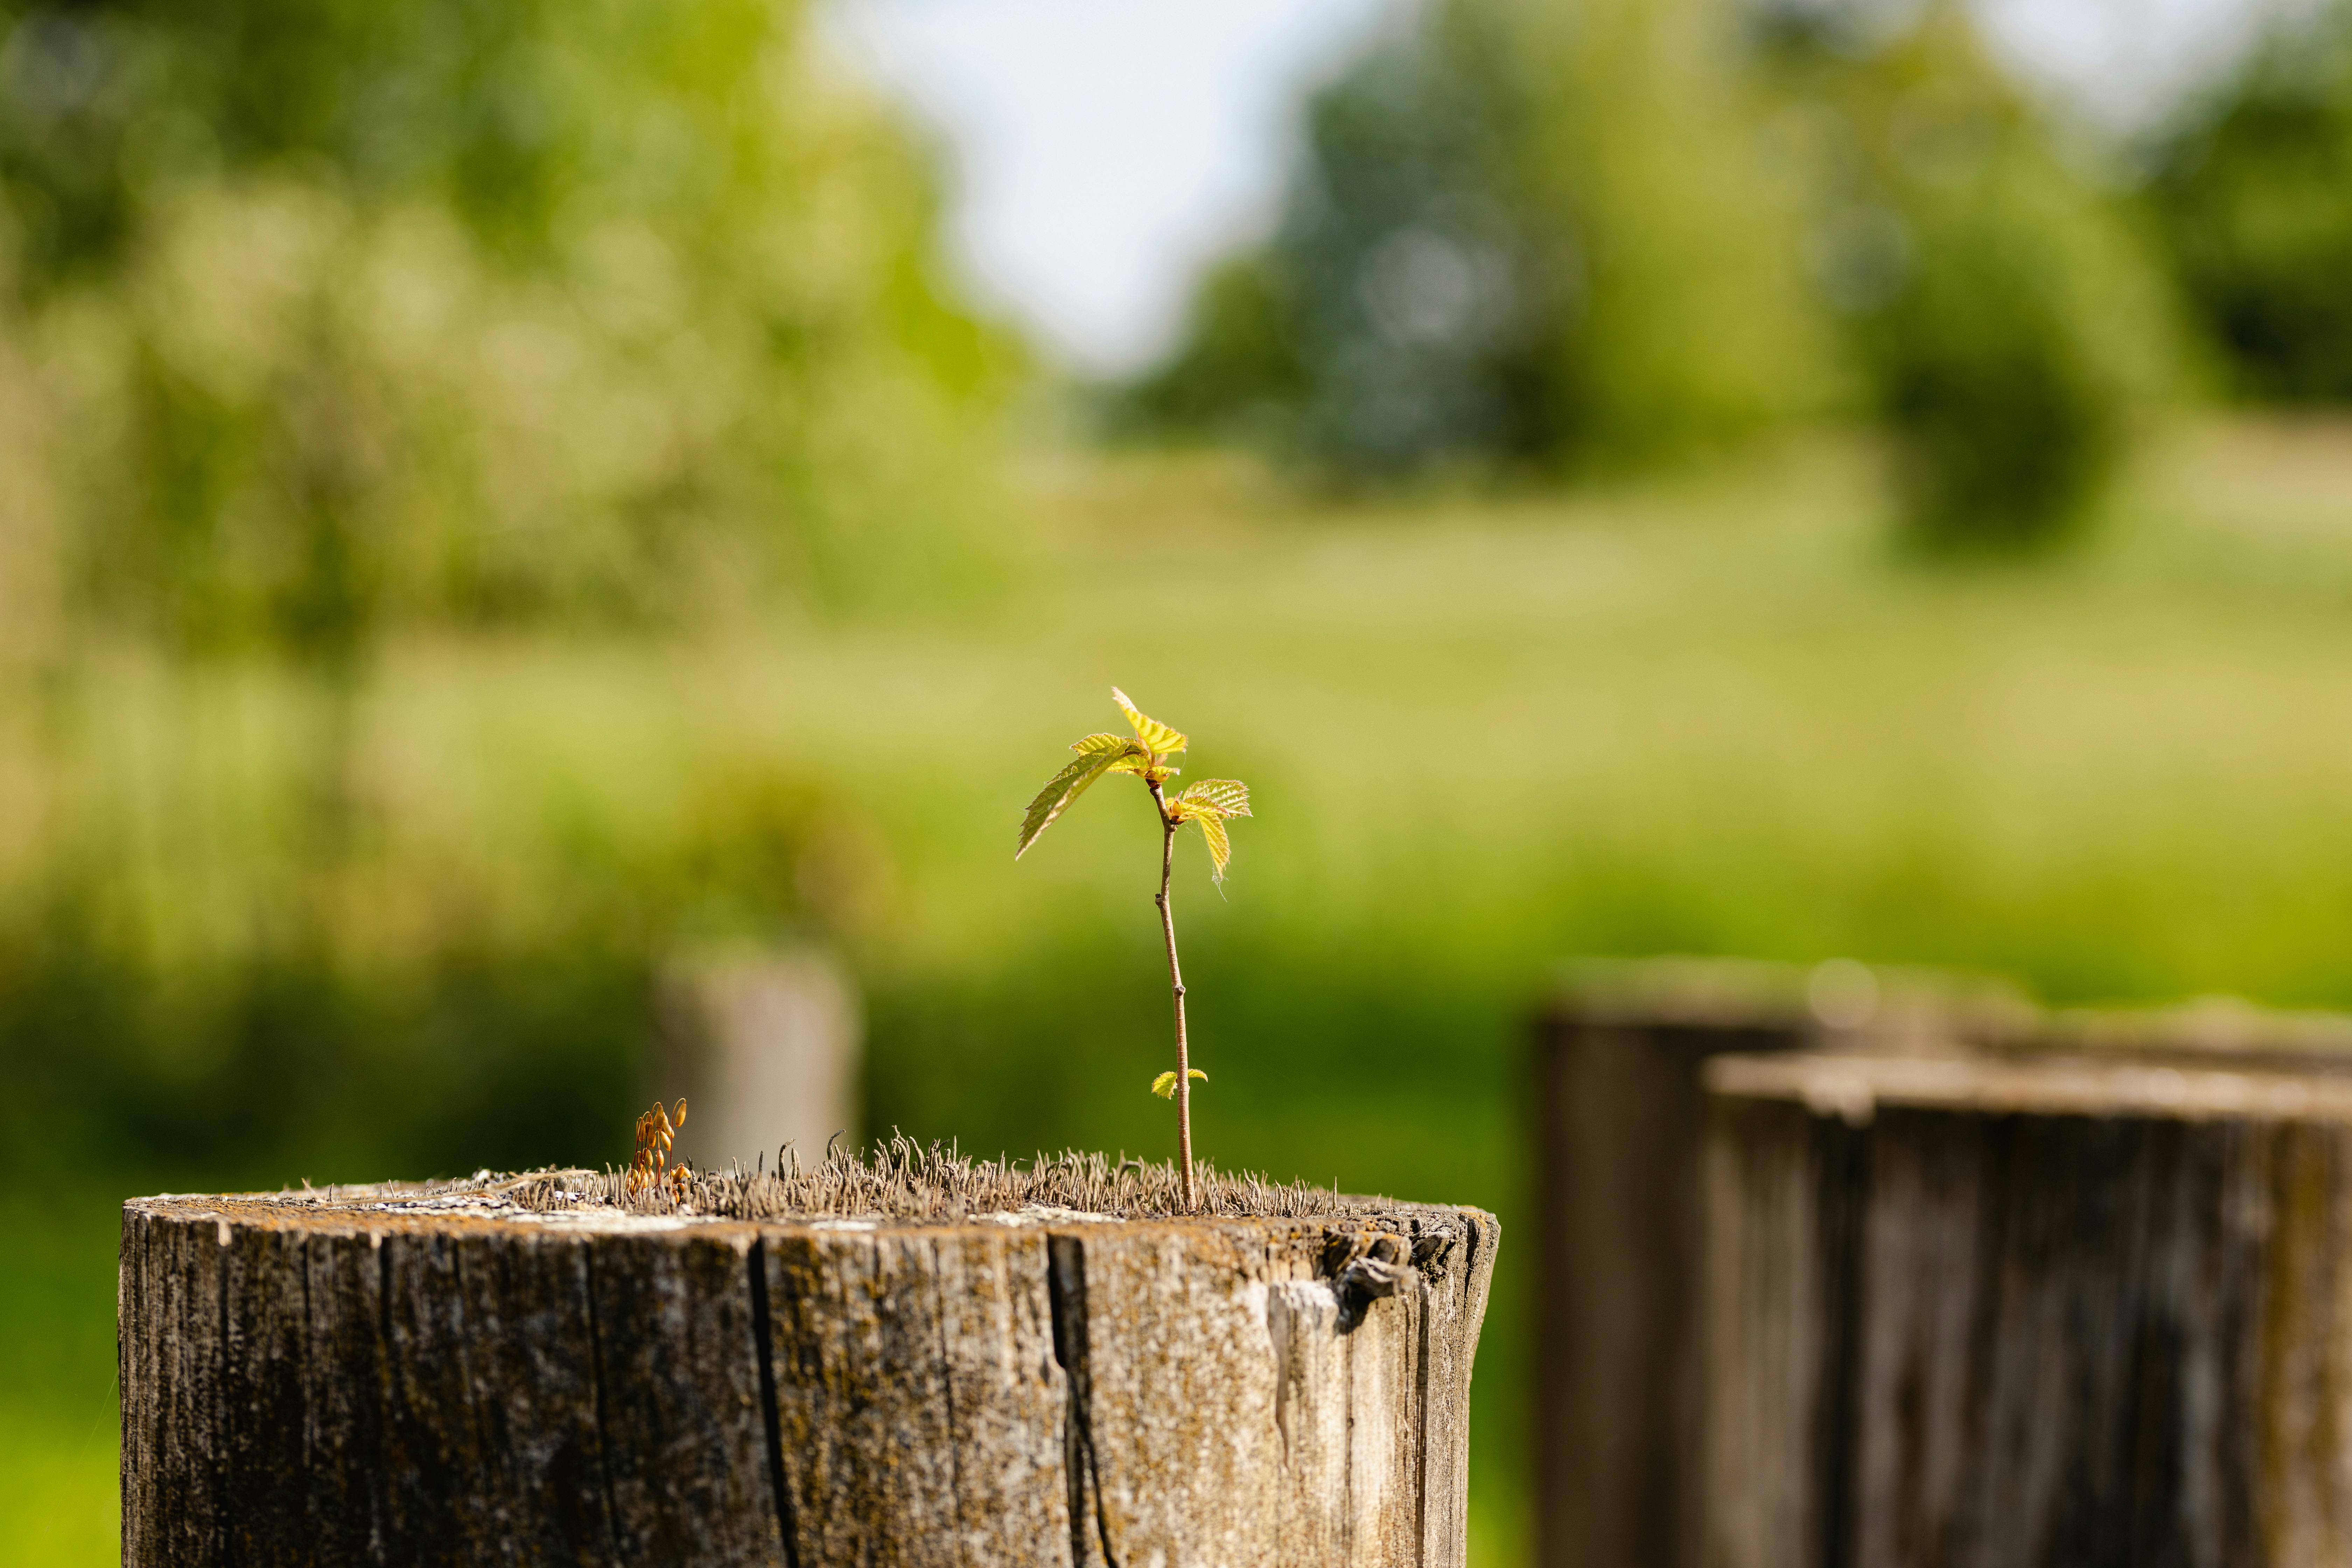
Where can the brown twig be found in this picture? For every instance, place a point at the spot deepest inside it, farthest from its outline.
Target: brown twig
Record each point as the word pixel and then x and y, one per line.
pixel 1176 985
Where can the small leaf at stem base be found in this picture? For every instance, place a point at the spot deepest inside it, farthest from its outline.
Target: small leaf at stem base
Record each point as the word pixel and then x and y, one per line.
pixel 1164 1086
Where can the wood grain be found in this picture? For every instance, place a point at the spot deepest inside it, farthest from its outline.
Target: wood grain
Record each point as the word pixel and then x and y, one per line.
pixel 1619 1113
pixel 2077 1312
pixel 387 1379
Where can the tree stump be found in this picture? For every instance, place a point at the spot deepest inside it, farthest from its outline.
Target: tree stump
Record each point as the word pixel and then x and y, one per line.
pixel 1986 1312
pixel 461 1375
pixel 1620 1112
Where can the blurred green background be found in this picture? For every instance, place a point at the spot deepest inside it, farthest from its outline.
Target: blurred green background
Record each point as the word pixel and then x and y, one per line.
pixel 492 493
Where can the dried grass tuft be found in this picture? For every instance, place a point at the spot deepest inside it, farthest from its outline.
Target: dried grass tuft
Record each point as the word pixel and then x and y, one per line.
pixel 901 1179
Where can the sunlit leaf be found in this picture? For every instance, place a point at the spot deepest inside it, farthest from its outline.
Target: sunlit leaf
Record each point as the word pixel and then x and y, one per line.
pixel 1221 848
pixel 1140 762
pixel 1229 797
pixel 1060 789
pixel 1107 742
pixel 1164 1086
pixel 1161 738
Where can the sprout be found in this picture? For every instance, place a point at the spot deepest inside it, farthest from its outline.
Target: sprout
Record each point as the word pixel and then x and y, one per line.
pixel 1208 804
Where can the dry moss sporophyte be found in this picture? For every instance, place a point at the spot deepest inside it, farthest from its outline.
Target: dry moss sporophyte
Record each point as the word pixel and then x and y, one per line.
pixel 1206 803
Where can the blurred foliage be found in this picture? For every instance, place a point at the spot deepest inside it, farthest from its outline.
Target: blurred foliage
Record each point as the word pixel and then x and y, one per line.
pixel 2010 324
pixel 1626 231
pixel 1523 233
pixel 317 313
pixel 2253 192
pixel 318 321
pixel 187 986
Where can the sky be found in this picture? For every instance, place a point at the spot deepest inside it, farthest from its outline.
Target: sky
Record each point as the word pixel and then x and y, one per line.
pixel 1101 150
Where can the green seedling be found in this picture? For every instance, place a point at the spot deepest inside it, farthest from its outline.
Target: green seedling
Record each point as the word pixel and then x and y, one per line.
pixel 1207 805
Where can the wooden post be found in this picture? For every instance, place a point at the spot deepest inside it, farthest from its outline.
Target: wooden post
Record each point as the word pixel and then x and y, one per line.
pixel 765 1045
pixel 380 1376
pixel 1619 1111
pixel 1982 1312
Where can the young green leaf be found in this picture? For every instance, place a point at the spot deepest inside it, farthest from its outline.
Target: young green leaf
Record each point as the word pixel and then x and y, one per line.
pixel 1229 797
pixel 1140 762
pixel 1123 744
pixel 1221 848
pixel 1162 739
pixel 1060 789
pixel 1164 1086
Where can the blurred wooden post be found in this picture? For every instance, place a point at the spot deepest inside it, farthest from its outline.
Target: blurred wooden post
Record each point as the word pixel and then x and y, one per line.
pixel 765 1045
pixel 1620 1112
pixel 1977 1312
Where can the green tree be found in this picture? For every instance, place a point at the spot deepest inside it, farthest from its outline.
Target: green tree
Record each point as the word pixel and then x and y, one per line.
pixel 2253 190
pixel 471 311
pixel 1524 233
pixel 2011 328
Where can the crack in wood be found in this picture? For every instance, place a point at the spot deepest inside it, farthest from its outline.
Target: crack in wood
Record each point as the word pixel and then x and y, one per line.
pixel 596 1383
pixel 947 1387
pixel 763 1341
pixel 1066 1281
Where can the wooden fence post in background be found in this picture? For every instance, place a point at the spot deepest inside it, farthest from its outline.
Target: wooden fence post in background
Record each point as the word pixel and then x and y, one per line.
pixel 765 1045
pixel 1620 1109
pixel 1981 1312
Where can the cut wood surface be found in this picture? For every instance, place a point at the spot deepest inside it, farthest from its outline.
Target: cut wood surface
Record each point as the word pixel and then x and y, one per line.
pixel 390 1375
pixel 1991 1312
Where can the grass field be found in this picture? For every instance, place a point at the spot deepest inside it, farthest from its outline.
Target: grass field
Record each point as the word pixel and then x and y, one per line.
pixel 1484 730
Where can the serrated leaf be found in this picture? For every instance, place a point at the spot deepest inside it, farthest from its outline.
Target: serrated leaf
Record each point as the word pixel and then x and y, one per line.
pixel 1106 742
pixel 1060 789
pixel 1162 739
pixel 1228 797
pixel 1164 1086
pixel 1221 846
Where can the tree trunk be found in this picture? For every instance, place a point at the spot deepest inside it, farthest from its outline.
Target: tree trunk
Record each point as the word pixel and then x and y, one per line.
pixel 1977 1313
pixel 1620 1112
pixel 393 1378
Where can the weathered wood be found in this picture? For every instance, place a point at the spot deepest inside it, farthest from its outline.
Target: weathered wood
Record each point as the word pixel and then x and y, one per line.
pixel 2027 1312
pixel 1619 1111
pixel 763 1044
pixel 394 1377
